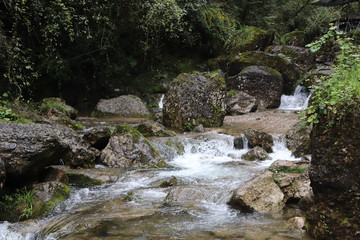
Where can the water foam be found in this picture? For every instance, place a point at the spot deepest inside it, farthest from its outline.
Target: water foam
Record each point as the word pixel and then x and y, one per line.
pixel 298 101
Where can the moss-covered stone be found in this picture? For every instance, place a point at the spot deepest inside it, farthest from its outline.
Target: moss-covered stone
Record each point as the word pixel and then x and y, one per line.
pixel 151 128
pixel 250 38
pixel 294 38
pixel 82 180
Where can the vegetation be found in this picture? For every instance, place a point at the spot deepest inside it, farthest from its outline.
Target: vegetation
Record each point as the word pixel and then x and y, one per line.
pixel 334 95
pixel 20 204
pixel 83 50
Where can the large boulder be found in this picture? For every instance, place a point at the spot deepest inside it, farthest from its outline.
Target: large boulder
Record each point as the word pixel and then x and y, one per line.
pixel 250 38
pixel 303 58
pixel 234 64
pixel 335 177
pixel 263 83
pixel 298 139
pixel 259 138
pixel 56 109
pixel 152 128
pixel 98 137
pixel 195 99
pixel 240 103
pixel 123 106
pixel 257 153
pixel 128 148
pixel 26 149
pixel 261 194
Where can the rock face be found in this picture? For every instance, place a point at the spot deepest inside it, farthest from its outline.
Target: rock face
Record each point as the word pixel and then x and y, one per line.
pixel 151 128
pixel 263 83
pixel 261 194
pixel 195 99
pixel 257 153
pixel 240 103
pixel 124 106
pixel 298 140
pixel 129 149
pixel 250 38
pixel 301 57
pixel 335 178
pixel 259 138
pixel 47 195
pixel 26 149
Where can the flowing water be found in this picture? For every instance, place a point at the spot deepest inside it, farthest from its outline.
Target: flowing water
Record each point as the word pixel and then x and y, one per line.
pixel 298 101
pixel 161 104
pixel 136 208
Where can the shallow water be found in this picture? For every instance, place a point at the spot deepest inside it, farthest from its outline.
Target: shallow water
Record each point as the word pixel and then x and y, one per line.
pixel 134 207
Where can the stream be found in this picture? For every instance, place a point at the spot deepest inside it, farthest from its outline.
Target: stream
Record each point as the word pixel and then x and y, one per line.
pixel 136 207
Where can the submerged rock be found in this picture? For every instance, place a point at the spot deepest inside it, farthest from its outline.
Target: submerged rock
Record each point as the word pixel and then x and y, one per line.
pixel 240 103
pixel 263 83
pixel 151 128
pixel 128 148
pixel 195 99
pixel 47 196
pixel 257 153
pixel 173 181
pixel 261 194
pixel 124 106
pixel 259 138
pixel 184 195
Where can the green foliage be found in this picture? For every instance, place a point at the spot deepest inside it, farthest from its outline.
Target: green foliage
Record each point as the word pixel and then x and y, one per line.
pixel 6 114
pixel 334 94
pixel 232 93
pixel 20 204
pixel 289 170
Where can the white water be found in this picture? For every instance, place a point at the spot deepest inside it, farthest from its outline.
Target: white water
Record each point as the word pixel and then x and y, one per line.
pixel 210 163
pixel 298 101
pixel 161 104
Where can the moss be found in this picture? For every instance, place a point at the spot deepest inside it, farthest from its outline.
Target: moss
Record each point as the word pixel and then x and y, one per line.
pixel 289 170
pixel 125 128
pixel 232 93
pixel 82 180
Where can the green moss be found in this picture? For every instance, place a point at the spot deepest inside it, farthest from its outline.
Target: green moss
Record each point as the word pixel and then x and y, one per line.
pixel 83 180
pixel 125 128
pixel 232 93
pixel 289 170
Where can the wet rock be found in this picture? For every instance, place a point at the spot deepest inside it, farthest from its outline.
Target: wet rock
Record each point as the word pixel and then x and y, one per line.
pixel 47 196
pixel 250 38
pixel 124 106
pixel 99 136
pixel 259 138
pixel 152 128
pixel 239 143
pixel 199 129
pixel 169 148
pixel 128 148
pixel 183 195
pixel 26 149
pixel 261 194
pixel 263 83
pixel 2 173
pixel 257 153
pixel 335 177
pixel 297 222
pixel 289 166
pixel 195 99
pixel 298 139
pixel 53 174
pixel 173 181
pixel 92 176
pixel 300 56
pixel 240 103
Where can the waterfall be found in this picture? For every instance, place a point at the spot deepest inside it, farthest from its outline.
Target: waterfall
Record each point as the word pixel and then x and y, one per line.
pixel 297 101
pixel 245 142
pixel 161 104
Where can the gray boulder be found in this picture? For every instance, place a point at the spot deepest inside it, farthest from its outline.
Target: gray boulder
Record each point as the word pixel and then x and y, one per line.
pixel 98 136
pixel 259 138
pixel 263 83
pixel 183 195
pixel 257 153
pixel 300 56
pixel 195 99
pixel 240 103
pixel 26 149
pixel 128 148
pixel 261 194
pixel 124 106
pixel 298 140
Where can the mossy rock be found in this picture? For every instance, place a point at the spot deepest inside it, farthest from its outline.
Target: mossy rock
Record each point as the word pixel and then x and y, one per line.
pixel 294 38
pixel 250 38
pixel 47 196
pixel 154 129
pixel 235 64
pixel 56 107
pixel 126 128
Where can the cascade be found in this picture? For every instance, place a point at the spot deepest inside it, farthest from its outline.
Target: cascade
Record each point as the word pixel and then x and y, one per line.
pixel 161 104
pixel 298 101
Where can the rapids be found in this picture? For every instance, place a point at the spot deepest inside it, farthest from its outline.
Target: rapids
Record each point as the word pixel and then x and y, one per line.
pixel 134 208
